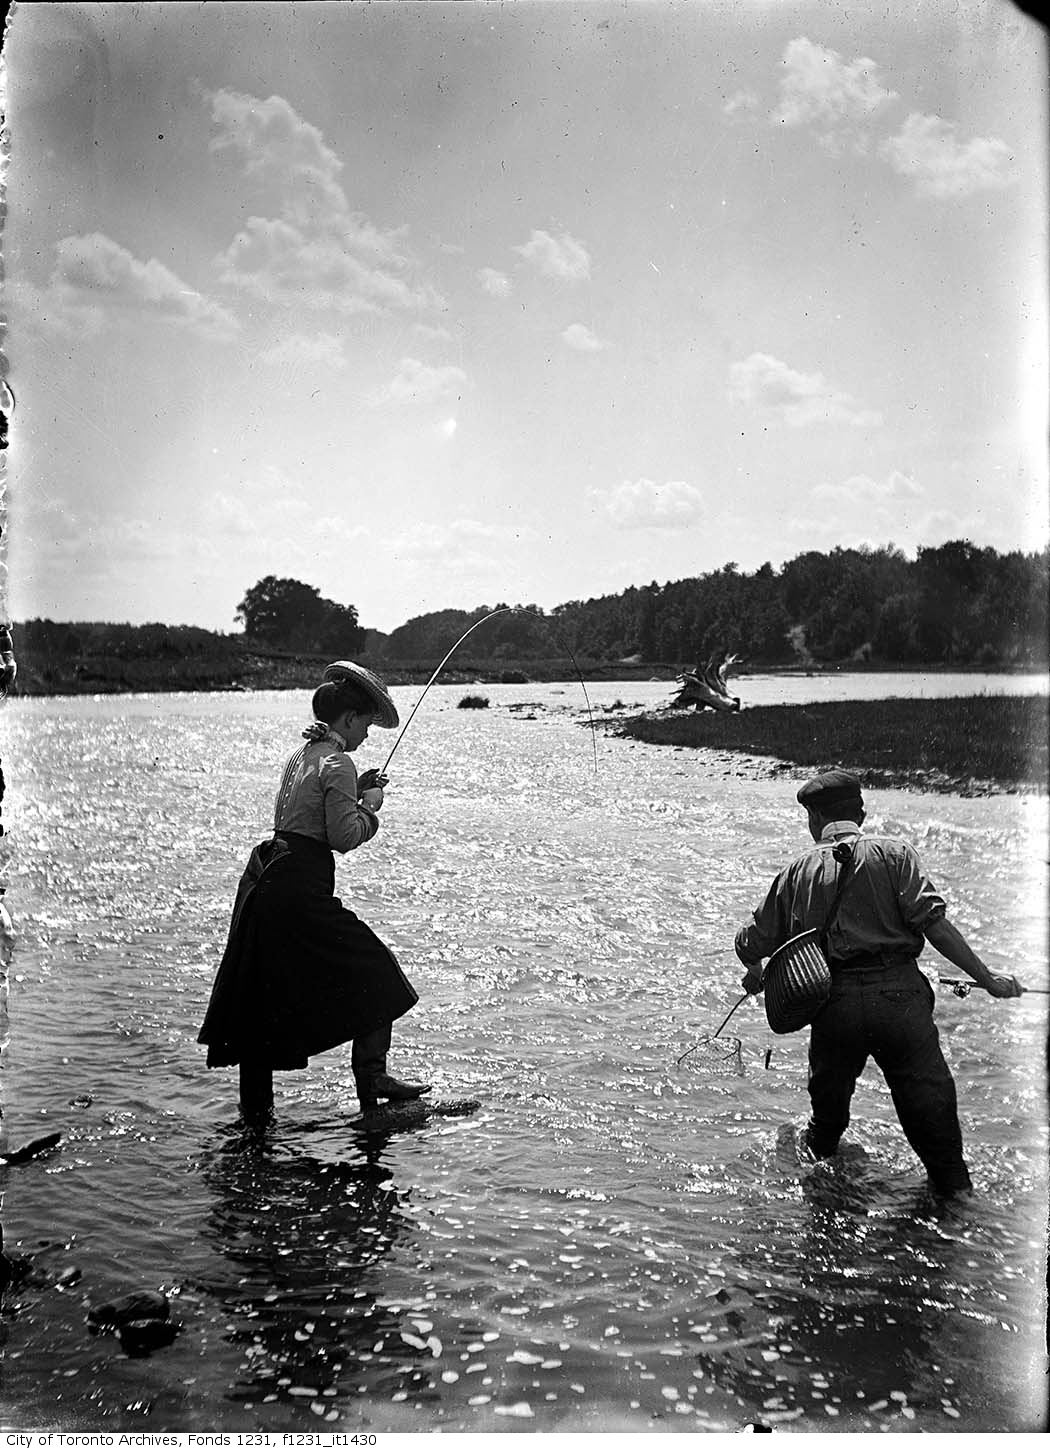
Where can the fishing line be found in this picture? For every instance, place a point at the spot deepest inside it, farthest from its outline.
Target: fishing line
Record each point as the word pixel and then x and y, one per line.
pixel 587 699
pixel 509 609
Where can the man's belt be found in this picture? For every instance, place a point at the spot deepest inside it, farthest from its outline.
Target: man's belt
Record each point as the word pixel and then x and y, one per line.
pixel 862 960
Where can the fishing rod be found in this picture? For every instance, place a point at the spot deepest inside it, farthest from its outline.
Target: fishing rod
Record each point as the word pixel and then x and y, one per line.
pixel 958 985
pixel 963 988
pixel 507 609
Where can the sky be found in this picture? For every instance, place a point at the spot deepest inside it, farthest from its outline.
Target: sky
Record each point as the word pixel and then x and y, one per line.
pixel 436 306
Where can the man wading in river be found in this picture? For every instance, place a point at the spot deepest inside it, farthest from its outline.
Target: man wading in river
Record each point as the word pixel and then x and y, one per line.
pixel 880 1004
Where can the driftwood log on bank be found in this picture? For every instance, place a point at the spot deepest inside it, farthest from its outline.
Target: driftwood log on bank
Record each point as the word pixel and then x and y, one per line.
pixel 705 686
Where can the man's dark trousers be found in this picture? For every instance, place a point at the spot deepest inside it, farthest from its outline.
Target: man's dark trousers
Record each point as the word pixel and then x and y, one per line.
pixel 886 1012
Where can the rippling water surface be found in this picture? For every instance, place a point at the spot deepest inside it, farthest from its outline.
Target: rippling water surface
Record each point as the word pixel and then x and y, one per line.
pixel 611 1241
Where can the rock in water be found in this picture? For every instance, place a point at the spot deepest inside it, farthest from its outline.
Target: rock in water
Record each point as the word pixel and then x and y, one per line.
pixel 31 1149
pixel 142 1335
pixel 397 1116
pixel 130 1308
pixel 463 1107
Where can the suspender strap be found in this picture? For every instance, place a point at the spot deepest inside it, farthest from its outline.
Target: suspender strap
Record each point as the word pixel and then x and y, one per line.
pixel 843 854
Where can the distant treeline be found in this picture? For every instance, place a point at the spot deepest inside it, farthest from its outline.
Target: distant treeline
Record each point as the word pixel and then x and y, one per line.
pixel 956 604
pixel 951 606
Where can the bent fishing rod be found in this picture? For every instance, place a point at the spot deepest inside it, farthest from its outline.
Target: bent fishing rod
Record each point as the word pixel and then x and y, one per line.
pixel 507 609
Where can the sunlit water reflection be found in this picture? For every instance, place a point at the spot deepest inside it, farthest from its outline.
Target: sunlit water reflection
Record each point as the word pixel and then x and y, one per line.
pixel 611 1241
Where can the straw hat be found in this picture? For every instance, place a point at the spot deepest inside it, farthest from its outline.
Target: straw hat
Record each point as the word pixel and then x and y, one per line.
pixel 385 711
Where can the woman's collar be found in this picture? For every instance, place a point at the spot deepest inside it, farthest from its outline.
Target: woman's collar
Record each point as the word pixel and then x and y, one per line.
pixel 318 732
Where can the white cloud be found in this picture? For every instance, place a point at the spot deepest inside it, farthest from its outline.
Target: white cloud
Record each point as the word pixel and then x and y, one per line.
pixel 820 89
pixel 562 257
pixel 462 547
pixel 496 284
pixel 253 513
pixel 317 251
pixel 277 262
pixel 896 489
pixel 927 150
pixel 275 145
pixel 904 528
pixel 94 546
pixel 645 504
pixel 100 279
pixel 320 349
pixel 269 135
pixel 582 339
pixel 63 311
pixel 417 381
pixel 799 398
pixel 740 103
pixel 429 333
pixel 864 511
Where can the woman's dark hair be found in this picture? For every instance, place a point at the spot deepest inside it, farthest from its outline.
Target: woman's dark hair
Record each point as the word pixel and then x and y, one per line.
pixel 335 697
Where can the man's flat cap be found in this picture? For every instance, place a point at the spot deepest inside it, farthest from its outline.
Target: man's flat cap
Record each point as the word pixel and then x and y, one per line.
pixel 832 787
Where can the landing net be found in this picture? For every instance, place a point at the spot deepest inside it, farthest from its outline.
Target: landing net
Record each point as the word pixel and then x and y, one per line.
pixel 719 1056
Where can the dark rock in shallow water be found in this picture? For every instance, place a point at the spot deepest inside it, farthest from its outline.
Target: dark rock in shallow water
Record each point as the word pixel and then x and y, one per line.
pixel 38 1268
pixel 33 1148
pixel 142 1335
pixel 398 1116
pixel 130 1308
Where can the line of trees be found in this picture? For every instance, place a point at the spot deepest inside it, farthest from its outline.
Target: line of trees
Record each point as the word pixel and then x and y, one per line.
pixel 955 604
pixel 52 639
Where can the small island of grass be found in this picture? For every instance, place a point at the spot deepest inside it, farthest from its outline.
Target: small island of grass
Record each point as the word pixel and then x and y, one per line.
pixel 976 745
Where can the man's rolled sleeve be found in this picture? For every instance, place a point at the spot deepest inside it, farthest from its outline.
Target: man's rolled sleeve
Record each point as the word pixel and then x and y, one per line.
pixel 754 942
pixel 920 903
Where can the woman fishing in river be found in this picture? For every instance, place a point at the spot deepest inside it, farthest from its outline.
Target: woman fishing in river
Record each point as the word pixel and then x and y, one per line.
pixel 301 973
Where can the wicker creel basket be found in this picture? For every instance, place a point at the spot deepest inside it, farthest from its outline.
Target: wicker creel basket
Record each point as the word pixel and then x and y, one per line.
pixel 797 983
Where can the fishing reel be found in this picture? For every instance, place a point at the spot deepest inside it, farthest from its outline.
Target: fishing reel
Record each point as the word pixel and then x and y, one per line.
pixel 961 988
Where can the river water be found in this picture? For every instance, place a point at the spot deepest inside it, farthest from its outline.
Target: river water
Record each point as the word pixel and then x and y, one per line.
pixel 611 1241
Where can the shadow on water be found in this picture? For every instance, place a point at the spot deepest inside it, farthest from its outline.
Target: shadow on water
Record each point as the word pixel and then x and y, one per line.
pixel 302 1238
pixel 863 1312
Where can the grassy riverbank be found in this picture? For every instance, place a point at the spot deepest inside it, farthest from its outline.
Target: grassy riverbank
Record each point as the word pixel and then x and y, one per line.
pixel 973 745
pixel 193 660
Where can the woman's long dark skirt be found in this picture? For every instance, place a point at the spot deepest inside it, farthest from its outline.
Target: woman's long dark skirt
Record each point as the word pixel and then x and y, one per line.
pixel 301 973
